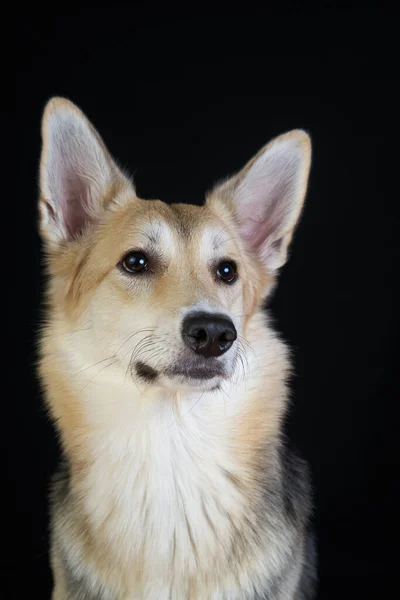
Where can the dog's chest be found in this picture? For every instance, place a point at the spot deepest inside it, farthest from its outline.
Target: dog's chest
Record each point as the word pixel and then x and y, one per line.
pixel 164 500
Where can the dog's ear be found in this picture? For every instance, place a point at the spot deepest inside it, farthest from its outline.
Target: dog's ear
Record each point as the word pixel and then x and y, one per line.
pixel 267 196
pixel 78 178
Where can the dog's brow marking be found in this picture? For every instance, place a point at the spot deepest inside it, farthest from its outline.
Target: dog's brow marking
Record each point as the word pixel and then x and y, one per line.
pixel 154 232
pixel 156 236
pixel 151 232
pixel 161 236
pixel 153 238
pixel 219 239
pixel 211 241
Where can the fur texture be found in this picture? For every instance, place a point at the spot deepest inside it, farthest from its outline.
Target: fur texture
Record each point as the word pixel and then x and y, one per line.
pixel 175 485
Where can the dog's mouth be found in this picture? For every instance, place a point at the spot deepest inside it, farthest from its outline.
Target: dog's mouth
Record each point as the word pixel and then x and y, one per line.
pixel 188 372
pixel 197 370
pixel 202 373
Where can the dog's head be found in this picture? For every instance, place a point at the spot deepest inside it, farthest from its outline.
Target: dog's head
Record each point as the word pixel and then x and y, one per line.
pixel 168 291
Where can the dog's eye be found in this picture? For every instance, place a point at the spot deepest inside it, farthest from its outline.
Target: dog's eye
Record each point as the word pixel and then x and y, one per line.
pixel 134 262
pixel 227 271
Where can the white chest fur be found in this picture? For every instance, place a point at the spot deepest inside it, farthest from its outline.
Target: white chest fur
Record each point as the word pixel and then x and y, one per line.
pixel 160 493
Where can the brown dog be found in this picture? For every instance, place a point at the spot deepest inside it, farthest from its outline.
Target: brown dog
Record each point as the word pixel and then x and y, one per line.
pixel 165 380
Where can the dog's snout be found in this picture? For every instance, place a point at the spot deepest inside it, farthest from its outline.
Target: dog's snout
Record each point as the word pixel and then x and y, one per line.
pixel 208 334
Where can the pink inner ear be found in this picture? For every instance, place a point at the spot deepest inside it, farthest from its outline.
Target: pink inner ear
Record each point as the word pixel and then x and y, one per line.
pixel 264 205
pixel 75 205
pixel 261 220
pixel 255 232
pixel 75 217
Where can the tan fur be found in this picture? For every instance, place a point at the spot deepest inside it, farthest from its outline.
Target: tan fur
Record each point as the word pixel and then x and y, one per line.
pixel 113 429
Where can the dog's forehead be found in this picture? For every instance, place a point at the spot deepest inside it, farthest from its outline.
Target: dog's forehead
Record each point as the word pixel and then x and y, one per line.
pixel 177 227
pixel 196 225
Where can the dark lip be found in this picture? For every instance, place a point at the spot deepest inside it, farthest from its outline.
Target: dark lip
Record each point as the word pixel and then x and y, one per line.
pixel 196 372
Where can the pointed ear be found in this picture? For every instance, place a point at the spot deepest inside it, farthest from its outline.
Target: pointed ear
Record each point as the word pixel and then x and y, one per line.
pixel 267 196
pixel 78 177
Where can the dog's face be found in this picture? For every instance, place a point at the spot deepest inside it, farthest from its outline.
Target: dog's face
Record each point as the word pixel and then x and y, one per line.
pixel 166 290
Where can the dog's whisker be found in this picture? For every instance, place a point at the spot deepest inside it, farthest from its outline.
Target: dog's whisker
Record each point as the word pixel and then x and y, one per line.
pixel 243 340
pixel 187 412
pixel 137 348
pixel 133 334
pixel 73 375
pixel 73 331
pixel 96 374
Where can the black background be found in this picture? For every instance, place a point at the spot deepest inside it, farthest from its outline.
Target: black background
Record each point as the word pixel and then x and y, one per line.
pixel 183 96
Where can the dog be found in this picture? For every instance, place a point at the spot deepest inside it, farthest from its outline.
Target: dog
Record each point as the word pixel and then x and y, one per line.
pixel 165 380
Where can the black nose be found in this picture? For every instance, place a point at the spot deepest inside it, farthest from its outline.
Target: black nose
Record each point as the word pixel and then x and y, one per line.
pixel 207 334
